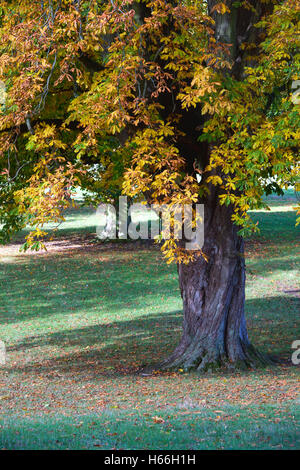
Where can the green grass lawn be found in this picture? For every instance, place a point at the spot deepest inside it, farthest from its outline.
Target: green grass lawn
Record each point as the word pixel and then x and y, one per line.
pixel 80 319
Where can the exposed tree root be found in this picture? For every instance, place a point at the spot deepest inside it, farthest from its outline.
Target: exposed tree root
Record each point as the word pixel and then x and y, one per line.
pixel 201 359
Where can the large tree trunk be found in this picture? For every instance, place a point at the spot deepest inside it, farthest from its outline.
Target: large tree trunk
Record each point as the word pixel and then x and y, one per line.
pixel 213 294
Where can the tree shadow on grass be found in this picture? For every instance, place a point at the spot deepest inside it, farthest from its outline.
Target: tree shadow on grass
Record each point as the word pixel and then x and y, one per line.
pixel 105 277
pixel 113 279
pixel 122 347
pixel 119 347
pixel 107 280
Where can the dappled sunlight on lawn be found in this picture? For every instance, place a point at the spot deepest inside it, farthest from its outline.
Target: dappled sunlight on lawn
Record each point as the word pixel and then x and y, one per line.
pixel 81 319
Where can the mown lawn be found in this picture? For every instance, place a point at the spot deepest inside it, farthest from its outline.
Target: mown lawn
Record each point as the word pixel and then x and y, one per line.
pixel 80 320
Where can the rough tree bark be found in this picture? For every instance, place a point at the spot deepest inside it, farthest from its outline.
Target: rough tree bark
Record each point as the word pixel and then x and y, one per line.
pixel 213 292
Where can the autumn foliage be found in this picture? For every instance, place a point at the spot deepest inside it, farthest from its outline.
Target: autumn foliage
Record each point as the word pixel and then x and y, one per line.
pixel 114 83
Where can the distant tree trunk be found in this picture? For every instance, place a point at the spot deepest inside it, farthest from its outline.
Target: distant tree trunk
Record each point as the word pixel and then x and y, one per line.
pixel 213 294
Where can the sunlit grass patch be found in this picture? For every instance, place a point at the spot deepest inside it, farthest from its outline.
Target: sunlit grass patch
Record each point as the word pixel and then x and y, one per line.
pixel 81 319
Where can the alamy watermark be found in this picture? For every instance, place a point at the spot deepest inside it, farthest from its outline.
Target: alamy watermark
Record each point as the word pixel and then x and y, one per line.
pixel 2 93
pixel 178 221
pixel 296 93
pixel 2 353
pixel 296 353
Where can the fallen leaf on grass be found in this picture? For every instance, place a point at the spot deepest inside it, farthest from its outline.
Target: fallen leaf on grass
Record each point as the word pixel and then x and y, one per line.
pixel 158 419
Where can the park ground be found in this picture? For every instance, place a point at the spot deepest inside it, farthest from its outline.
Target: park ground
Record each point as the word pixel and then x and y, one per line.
pixel 81 319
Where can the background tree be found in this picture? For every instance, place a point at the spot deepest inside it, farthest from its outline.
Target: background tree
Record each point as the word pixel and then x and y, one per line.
pixel 156 92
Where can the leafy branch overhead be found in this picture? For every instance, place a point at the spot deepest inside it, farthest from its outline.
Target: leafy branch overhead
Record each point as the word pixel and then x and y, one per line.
pixel 152 92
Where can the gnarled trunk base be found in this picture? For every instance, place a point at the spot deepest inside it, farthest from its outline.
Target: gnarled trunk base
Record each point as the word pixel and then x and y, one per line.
pixel 204 354
pixel 213 294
